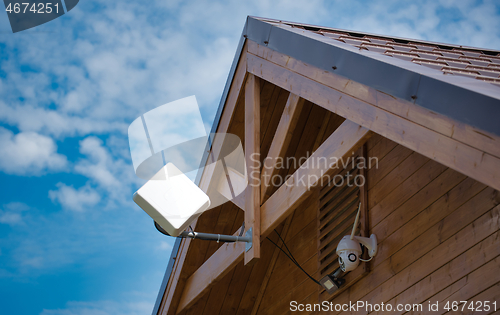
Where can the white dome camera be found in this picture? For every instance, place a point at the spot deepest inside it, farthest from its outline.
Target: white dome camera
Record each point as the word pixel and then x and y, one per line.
pixel 349 250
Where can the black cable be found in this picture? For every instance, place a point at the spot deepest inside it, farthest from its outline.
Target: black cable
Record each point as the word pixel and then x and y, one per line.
pixel 281 249
pixel 292 259
pixel 290 255
pixel 242 229
pixel 283 241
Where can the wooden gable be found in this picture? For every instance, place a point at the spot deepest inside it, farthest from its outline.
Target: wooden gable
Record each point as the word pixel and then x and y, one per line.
pixel 432 201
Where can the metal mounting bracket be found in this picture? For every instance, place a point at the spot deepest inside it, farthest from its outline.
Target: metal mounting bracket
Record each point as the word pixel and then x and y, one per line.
pixel 248 245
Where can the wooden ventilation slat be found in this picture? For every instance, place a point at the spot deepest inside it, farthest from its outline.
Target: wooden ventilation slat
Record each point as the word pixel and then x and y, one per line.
pixel 338 212
pixel 337 208
pixel 336 233
pixel 325 193
pixel 340 188
pixel 331 262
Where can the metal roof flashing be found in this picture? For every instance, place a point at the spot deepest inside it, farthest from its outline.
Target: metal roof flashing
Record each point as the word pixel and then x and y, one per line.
pixel 312 27
pixel 464 99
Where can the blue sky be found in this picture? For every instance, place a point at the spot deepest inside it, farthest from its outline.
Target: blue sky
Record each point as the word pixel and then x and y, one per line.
pixel 72 242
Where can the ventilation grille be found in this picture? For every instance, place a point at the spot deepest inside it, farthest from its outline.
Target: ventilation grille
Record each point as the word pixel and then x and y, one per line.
pixel 337 211
pixel 338 205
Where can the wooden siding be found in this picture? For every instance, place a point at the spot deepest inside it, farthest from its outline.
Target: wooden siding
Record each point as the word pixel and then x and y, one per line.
pixel 438 233
pixel 438 229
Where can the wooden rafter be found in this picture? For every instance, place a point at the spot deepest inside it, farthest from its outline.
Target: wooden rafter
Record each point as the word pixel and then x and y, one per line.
pixel 252 158
pixel 239 201
pixel 176 282
pixel 227 115
pixel 168 303
pixel 480 139
pixel 347 138
pixel 280 142
pixel 465 158
pixel 214 269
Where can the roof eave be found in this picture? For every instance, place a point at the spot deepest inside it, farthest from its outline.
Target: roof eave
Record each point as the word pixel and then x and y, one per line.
pixel 464 99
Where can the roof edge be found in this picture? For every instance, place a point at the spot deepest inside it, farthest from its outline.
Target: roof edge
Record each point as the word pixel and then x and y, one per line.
pixel 463 99
pixel 312 27
pixel 166 277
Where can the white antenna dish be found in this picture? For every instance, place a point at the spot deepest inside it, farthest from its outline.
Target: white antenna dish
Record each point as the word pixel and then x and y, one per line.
pixel 172 199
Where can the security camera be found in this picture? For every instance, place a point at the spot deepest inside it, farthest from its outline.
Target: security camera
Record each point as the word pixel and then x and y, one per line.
pixel 349 250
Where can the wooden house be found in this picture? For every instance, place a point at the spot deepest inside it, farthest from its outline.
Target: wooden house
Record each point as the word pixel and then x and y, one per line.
pixel 426 115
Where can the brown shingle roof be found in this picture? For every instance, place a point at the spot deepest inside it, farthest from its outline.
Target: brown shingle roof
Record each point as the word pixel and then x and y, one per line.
pixel 467 62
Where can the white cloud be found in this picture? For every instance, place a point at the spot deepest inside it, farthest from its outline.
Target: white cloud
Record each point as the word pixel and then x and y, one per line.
pixel 57 123
pixel 127 59
pixel 93 72
pixel 111 177
pixel 165 246
pixel 102 308
pixel 29 153
pixel 467 23
pixel 33 262
pixel 48 243
pixel 12 213
pixel 10 218
pixel 109 173
pixel 16 206
pixel 74 199
pixel 99 164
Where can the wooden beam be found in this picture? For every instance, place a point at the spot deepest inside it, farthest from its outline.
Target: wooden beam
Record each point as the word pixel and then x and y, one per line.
pixel 239 201
pixel 236 88
pixel 280 142
pixel 232 183
pixel 173 282
pixel 212 270
pixel 480 139
pixel 252 158
pixel 347 138
pixel 466 159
